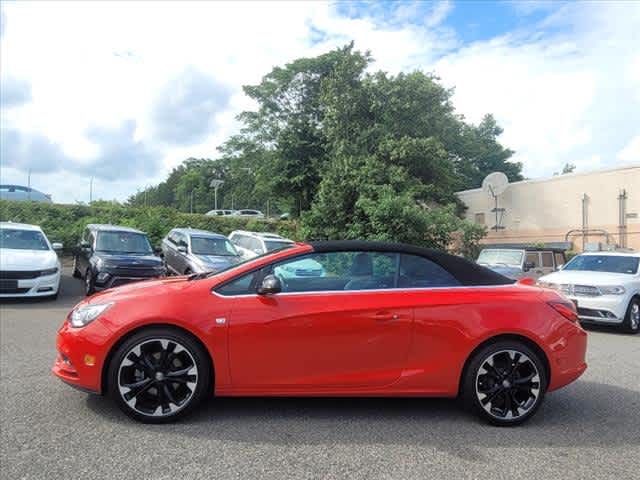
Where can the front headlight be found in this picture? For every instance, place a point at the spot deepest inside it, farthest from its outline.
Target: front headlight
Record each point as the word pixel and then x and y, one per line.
pixel 547 285
pixel 49 271
pixel 88 313
pixel 612 290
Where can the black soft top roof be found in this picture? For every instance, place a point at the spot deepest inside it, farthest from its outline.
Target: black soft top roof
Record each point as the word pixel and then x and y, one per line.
pixel 465 271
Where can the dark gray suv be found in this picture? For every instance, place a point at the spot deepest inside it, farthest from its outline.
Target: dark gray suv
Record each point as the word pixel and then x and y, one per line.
pixel 187 250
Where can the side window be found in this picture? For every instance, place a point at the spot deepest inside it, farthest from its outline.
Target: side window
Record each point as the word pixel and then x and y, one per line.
pixel 547 259
pixel 420 272
pixel 171 238
pixel 559 260
pixel 255 245
pixel 318 272
pixel 534 258
pixel 246 284
pixel 182 240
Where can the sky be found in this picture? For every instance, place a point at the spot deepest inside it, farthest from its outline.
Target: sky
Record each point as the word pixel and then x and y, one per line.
pixel 125 91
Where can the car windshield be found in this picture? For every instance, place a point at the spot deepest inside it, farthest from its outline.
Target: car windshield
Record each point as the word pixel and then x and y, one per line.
pixel 239 264
pixel 22 239
pixel 273 245
pixel 604 263
pixel 123 242
pixel 500 257
pixel 212 246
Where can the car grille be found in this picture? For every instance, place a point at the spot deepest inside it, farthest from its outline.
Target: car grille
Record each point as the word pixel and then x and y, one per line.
pixel 579 290
pixel 19 274
pixel 134 272
pixel 13 290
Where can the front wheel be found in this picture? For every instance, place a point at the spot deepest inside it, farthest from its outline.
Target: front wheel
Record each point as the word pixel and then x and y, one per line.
pixel 159 375
pixel 504 383
pixel 632 318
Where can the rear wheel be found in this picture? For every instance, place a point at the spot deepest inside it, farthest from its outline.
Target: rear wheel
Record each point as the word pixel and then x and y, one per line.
pixel 159 375
pixel 504 383
pixel 632 319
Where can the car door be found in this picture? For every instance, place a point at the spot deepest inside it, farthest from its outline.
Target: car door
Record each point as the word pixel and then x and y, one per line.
pixel 84 253
pixel 169 251
pixel 346 329
pixel 181 262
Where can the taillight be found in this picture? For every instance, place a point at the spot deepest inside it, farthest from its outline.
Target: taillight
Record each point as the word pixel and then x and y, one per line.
pixel 566 309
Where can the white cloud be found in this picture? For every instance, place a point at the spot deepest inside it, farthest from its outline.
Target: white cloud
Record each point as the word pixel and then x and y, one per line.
pixel 631 152
pixel 97 73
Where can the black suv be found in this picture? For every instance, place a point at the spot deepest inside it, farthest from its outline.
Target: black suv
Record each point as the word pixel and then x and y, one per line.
pixel 109 255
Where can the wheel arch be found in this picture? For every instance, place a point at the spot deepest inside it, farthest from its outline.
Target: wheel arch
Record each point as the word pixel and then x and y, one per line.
pixel 507 336
pixel 104 377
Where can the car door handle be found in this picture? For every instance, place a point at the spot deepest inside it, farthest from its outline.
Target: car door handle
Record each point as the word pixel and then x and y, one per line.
pixel 385 316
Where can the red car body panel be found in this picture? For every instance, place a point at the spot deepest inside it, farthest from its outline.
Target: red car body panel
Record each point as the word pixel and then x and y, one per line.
pixel 371 342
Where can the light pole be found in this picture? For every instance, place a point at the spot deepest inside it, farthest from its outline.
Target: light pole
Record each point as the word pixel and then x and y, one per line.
pixel 216 184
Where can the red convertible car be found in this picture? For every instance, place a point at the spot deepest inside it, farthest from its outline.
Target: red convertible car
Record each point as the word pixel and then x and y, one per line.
pixel 377 319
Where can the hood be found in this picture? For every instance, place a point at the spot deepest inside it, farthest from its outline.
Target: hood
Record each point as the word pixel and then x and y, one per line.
pixel 586 277
pixel 146 289
pixel 17 259
pixel 218 262
pixel 129 260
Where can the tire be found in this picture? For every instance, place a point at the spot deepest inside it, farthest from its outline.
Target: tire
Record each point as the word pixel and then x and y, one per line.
pixel 499 394
pixel 75 273
pixel 89 285
pixel 187 272
pixel 631 322
pixel 140 359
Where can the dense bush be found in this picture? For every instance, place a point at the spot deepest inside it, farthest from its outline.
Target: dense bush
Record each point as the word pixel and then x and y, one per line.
pixel 64 223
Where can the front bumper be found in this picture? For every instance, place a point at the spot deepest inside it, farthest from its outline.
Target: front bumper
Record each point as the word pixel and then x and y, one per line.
pixel 34 287
pixel 81 355
pixel 605 309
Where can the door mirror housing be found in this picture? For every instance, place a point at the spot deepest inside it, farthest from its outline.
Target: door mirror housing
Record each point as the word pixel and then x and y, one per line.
pixel 157 250
pixel 182 249
pixel 85 246
pixel 56 246
pixel 528 266
pixel 270 285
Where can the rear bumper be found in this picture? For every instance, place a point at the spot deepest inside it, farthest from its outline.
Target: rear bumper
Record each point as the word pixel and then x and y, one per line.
pixel 568 357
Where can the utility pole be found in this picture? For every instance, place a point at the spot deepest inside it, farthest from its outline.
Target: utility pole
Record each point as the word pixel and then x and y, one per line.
pixel 191 209
pixel 90 190
pixel 29 183
pixel 216 184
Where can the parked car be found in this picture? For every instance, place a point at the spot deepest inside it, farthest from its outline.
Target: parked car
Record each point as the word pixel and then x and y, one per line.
pixel 111 255
pixel 252 244
pixel 29 265
pixel 386 320
pixel 220 213
pixel 605 286
pixel 517 263
pixel 186 250
pixel 19 193
pixel 249 213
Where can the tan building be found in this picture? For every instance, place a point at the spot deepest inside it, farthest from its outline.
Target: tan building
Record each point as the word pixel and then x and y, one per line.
pixel 579 208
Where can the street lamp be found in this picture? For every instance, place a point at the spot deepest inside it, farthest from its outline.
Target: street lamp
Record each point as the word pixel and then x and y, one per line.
pixel 216 184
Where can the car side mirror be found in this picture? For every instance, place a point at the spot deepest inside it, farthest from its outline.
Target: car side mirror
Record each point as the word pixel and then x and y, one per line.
pixel 528 266
pixel 85 246
pixel 157 250
pixel 182 249
pixel 56 246
pixel 270 285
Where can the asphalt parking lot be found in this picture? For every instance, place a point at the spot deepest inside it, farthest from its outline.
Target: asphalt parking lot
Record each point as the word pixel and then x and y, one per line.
pixel 590 429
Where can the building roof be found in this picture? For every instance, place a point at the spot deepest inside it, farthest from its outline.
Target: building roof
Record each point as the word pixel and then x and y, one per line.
pixel 466 272
pixel 562 177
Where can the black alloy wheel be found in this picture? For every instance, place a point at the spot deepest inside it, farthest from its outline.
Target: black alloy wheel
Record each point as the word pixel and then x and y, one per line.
pixel 159 375
pixel 505 383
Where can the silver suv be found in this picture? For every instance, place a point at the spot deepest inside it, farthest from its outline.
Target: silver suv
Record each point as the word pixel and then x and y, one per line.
pixel 517 263
pixel 187 250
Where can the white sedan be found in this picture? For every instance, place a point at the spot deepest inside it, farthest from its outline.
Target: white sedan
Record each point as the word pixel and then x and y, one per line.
pixel 605 286
pixel 29 265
